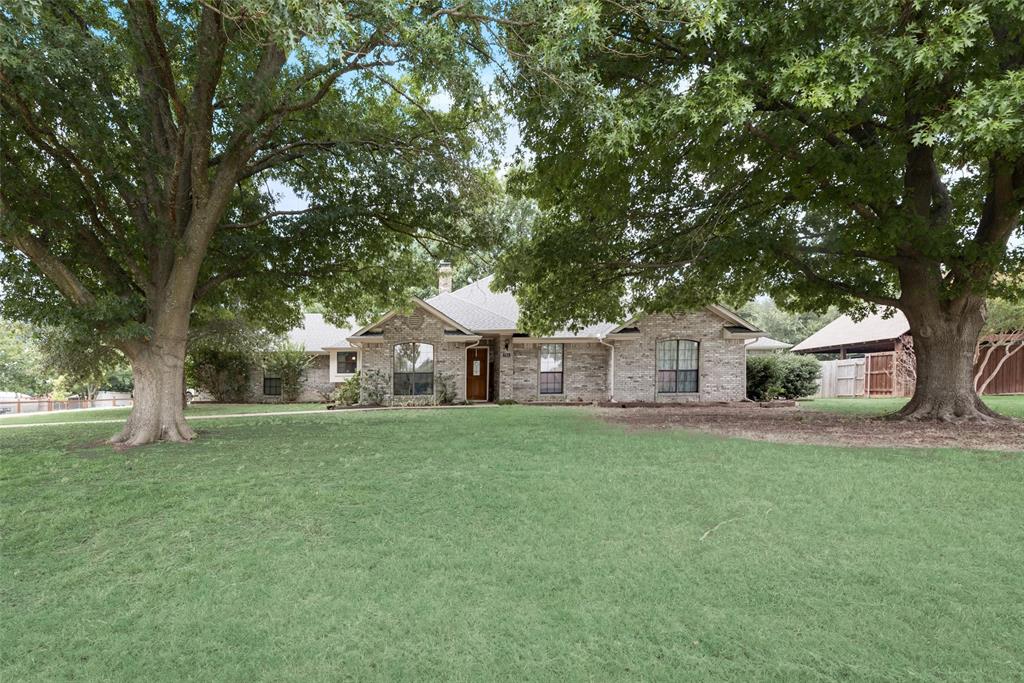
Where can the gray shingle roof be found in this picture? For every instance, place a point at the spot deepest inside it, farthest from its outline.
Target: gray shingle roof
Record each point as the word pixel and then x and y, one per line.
pixel 478 308
pixel 845 331
pixel 475 306
pixel 315 334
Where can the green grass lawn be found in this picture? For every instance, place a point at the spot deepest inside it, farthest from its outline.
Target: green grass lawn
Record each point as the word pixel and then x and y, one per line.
pixel 1012 406
pixel 91 415
pixel 518 543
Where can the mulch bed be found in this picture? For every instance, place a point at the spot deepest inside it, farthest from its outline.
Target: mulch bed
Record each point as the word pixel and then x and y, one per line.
pixel 804 426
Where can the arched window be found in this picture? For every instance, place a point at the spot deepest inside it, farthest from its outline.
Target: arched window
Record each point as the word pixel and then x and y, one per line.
pixel 678 366
pixel 414 369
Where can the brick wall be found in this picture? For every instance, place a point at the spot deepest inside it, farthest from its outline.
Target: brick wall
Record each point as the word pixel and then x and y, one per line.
pixel 418 326
pixel 584 368
pixel 503 375
pixel 722 375
pixel 517 375
pixel 316 375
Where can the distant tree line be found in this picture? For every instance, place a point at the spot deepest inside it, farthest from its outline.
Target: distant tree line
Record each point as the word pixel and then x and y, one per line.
pixel 785 325
pixel 38 360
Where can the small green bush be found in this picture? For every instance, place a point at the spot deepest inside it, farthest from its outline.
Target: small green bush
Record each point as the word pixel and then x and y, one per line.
pixel 222 372
pixel 445 388
pixel 786 375
pixel 291 361
pixel 764 377
pixel 374 386
pixel 799 375
pixel 347 393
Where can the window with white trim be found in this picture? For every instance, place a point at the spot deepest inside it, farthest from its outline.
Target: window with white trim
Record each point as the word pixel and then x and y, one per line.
pixel 551 368
pixel 346 362
pixel 414 369
pixel 678 366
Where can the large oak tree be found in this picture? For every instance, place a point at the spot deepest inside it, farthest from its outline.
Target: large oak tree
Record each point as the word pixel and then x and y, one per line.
pixel 140 138
pixel 859 154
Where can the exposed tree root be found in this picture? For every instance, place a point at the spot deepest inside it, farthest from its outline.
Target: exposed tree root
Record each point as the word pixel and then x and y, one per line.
pixel 969 409
pixel 134 434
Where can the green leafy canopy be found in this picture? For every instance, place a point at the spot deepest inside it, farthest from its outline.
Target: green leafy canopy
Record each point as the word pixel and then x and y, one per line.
pixel 825 153
pixel 140 138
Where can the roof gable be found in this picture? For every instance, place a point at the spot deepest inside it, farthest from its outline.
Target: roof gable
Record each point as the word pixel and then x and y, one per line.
pixel 420 303
pixel 722 312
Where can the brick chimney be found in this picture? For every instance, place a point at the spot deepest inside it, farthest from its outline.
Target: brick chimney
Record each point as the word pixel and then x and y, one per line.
pixel 444 277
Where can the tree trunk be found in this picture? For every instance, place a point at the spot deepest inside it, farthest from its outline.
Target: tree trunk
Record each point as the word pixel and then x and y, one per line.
pixel 945 338
pixel 158 370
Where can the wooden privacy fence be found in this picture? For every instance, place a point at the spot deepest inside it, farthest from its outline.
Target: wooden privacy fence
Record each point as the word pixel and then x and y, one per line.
pixel 887 374
pixel 876 374
pixel 841 378
pixel 1010 377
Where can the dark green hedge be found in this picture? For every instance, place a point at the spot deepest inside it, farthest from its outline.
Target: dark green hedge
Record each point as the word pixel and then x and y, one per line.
pixel 781 376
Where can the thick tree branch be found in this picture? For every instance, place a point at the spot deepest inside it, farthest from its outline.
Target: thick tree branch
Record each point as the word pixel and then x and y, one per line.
pixel 1000 214
pixel 145 13
pixel 210 50
pixel 48 264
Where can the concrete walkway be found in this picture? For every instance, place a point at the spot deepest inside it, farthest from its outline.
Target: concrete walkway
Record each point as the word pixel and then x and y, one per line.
pixel 322 411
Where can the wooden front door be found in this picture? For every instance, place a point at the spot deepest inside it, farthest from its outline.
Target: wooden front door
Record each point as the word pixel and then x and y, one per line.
pixel 476 374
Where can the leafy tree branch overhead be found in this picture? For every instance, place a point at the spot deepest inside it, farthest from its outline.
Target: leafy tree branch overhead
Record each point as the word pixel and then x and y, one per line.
pixel 851 154
pixel 139 136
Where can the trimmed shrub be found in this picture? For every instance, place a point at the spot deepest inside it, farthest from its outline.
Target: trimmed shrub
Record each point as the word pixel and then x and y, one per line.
pixel 785 375
pixel 764 377
pixel 374 385
pixel 445 388
pixel 223 373
pixel 799 375
pixel 347 393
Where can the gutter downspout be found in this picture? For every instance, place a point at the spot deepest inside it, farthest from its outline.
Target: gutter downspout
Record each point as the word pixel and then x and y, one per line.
pixel 611 369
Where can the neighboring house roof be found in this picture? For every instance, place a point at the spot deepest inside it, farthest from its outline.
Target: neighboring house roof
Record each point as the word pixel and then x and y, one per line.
pixel 317 335
pixel 12 396
pixel 766 344
pixel 845 331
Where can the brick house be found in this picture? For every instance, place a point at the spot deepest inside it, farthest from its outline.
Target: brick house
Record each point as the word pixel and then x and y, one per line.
pixel 470 337
pixel 333 361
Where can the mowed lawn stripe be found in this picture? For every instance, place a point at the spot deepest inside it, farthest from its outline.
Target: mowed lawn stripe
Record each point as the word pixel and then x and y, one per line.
pixel 511 543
